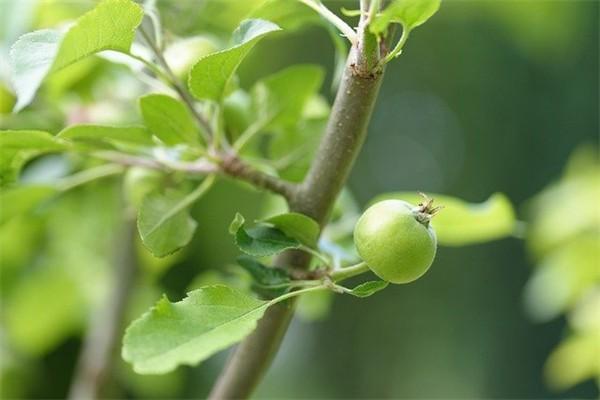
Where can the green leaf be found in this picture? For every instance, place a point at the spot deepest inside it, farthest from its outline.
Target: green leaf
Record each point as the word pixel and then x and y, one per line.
pixel 368 288
pixel 31 58
pixel 164 222
pixel 29 140
pixel 263 275
pixel 573 361
pixel 260 241
pixel 237 223
pixel 109 26
pixel 286 93
pixel 23 199
pixel 409 13
pixel 297 226
pixel 108 134
pixel 460 223
pixel 211 75
pixel 187 332
pixel 168 119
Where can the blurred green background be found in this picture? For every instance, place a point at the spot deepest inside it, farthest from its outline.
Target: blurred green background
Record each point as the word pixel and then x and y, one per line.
pixel 489 96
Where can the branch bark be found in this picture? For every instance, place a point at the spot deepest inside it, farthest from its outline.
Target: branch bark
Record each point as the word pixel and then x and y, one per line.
pixel 97 355
pixel 315 197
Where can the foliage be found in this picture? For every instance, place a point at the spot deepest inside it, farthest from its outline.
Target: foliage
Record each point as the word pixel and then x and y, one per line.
pixel 191 133
pixel 566 279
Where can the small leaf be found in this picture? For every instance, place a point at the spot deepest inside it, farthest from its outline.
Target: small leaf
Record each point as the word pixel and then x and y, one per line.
pixel 409 13
pixel 260 241
pixel 460 223
pixel 187 332
pixel 109 26
pixel 108 134
pixel 23 199
pixel 368 288
pixel 211 75
pixel 168 119
pixel 263 275
pixel 164 222
pixel 237 223
pixel 296 226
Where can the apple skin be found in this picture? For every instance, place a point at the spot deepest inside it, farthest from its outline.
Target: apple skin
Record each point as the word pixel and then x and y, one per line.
pixel 396 245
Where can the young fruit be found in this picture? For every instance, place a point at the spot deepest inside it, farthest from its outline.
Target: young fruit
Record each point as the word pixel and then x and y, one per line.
pixel 395 239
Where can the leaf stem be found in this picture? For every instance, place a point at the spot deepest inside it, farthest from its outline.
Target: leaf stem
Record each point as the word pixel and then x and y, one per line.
pixel 315 253
pixel 88 175
pixel 333 19
pixel 349 272
pixel 397 50
pixel 150 65
pixel 251 131
pixel 296 293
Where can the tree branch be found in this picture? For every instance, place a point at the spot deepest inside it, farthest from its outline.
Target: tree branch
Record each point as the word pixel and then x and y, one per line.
pixel 96 358
pixel 345 133
pixel 233 166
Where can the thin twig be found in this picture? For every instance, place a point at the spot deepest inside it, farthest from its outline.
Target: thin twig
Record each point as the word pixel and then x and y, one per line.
pixel 205 128
pixel 233 166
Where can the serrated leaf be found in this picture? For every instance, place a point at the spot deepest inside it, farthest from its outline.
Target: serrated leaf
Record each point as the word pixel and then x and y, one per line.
pixel 409 13
pixel 108 134
pixel 23 199
pixel 297 226
pixel 109 26
pixel 260 241
pixel 461 223
pixel 164 222
pixel 286 92
pixel 187 332
pixel 368 288
pixel 168 119
pixel 210 76
pixel 263 275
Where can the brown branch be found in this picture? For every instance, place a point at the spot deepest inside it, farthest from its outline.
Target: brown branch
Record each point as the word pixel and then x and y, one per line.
pixel 345 133
pixel 230 164
pixel 96 359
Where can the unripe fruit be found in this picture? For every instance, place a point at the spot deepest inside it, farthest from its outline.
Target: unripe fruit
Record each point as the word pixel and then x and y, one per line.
pixel 395 239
